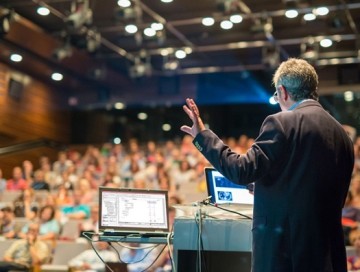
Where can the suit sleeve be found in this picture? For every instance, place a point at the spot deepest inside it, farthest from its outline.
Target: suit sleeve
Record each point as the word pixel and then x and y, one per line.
pixel 268 148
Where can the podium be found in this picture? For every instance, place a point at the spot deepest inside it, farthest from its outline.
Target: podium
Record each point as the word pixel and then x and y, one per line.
pixel 225 245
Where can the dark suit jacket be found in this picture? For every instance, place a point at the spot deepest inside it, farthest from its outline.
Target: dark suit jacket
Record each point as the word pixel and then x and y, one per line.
pixel 301 164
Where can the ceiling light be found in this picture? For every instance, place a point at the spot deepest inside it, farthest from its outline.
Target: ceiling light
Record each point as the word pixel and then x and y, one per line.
pixel 166 1
pixel 188 50
pixel 117 140
pixel 321 11
pixel 142 116
pixel 166 127
pixel 149 32
pixel 157 26
pixel 226 24
pixel 236 18
pixel 348 96
pixel 208 21
pixel 309 16
pixel 5 23
pixel 57 76
pixel 124 3
pixel 16 57
pixel 272 100
pixel 171 65
pixel 119 106
pixel 164 52
pixel 180 54
pixel 131 29
pixel 43 11
pixel 291 13
pixel 326 42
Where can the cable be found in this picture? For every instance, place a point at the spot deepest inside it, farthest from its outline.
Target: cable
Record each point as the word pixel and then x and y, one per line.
pixel 228 210
pixel 92 245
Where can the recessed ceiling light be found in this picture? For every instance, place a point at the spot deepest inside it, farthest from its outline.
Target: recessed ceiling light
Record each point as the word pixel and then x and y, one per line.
pixel 348 96
pixel 236 18
pixel 291 13
pixel 16 57
pixel 131 28
pixel 43 11
pixel 57 76
pixel 226 24
pixel 166 1
pixel 119 106
pixel 166 127
pixel 149 32
pixel 309 16
pixel 326 42
pixel 180 54
pixel 208 21
pixel 142 116
pixel 157 26
pixel 321 11
pixel 124 3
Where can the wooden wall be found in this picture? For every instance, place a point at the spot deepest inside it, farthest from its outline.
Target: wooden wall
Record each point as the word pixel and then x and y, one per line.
pixel 37 112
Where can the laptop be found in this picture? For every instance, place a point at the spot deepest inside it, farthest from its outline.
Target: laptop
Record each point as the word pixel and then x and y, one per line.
pixel 133 212
pixel 223 191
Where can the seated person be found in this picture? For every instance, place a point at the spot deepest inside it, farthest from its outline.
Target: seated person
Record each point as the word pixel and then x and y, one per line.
pixel 26 253
pixel 39 182
pixel 139 257
pixel 92 223
pixel 7 223
pixel 77 210
pixel 26 204
pixel 89 260
pixel 49 225
pixel 353 262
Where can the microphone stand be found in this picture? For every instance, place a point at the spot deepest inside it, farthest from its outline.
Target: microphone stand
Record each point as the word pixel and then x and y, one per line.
pixel 199 217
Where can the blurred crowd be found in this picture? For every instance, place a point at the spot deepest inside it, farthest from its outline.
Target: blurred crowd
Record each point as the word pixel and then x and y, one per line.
pixel 67 189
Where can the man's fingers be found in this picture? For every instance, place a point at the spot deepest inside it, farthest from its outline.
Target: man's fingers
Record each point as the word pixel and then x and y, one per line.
pixel 186 129
pixel 188 112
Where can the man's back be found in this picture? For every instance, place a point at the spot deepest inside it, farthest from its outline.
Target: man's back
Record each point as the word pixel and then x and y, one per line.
pixel 300 200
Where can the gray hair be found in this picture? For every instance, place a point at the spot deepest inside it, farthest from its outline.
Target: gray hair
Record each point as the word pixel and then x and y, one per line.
pixel 298 77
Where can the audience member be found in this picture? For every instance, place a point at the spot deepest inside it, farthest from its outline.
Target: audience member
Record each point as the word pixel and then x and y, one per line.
pixel 92 223
pixel 28 171
pixel 62 164
pixel 90 261
pixel 353 261
pixel 77 210
pixel 2 182
pixel 17 182
pixel 49 225
pixel 138 257
pixel 39 182
pixel 26 253
pixel 7 223
pixel 26 204
pixel 84 188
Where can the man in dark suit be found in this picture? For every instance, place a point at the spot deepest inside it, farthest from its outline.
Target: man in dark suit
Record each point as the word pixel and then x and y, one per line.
pixel 301 164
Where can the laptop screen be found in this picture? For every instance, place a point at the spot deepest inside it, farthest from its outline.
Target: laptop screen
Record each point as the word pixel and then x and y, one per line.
pixel 133 210
pixel 224 191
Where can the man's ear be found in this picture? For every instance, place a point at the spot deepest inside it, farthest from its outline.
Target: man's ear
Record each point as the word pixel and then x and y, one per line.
pixel 284 93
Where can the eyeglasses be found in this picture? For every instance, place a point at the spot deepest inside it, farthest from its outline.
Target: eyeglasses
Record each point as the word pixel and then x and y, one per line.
pixel 275 96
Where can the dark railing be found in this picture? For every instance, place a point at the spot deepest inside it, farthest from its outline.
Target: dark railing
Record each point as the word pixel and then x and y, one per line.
pixel 30 145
